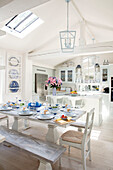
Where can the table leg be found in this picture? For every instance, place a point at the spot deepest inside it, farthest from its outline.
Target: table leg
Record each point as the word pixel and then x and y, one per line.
pixel 52 134
pixel 44 166
pixel 15 125
pixel 26 124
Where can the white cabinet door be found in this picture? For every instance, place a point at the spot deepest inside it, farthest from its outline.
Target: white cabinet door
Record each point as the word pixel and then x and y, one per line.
pixel 63 75
pixel 105 74
pixel 67 75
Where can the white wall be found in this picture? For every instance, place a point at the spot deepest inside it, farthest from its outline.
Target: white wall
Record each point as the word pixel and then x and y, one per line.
pixel 2 74
pixel 26 78
pixel 4 84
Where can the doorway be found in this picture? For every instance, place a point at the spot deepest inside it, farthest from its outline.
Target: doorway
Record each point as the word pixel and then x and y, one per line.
pixel 40 87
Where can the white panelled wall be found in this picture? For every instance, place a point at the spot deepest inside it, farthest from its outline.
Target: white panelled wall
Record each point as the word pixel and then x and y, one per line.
pixel 26 87
pixel 26 78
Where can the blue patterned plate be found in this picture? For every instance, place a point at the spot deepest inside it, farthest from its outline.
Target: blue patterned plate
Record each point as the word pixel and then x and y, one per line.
pixel 45 117
pixel 13 61
pixel 14 86
pixel 13 74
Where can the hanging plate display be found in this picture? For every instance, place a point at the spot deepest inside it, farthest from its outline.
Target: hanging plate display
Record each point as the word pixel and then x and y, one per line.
pixel 13 74
pixel 13 61
pixel 14 86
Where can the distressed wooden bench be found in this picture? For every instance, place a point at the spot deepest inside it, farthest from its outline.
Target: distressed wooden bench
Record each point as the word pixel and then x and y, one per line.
pixel 47 153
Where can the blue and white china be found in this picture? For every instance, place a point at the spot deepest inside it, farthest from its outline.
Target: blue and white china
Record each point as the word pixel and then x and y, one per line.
pixel 13 61
pixel 5 108
pixel 13 74
pixel 14 86
pixel 45 116
pixel 27 113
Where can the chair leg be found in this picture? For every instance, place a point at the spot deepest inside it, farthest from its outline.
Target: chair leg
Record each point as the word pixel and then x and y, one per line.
pixel 89 150
pixel 8 123
pixel 84 158
pixel 59 162
pixel 60 143
pixel 69 150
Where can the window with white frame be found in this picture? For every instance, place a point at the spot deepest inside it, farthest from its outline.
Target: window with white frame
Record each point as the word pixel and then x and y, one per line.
pixel 22 24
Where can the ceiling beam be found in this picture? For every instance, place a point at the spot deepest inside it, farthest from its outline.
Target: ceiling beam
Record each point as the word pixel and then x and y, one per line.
pixel 98 48
pixel 82 19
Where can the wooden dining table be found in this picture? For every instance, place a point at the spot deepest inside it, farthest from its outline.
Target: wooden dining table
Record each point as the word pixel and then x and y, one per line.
pixel 52 134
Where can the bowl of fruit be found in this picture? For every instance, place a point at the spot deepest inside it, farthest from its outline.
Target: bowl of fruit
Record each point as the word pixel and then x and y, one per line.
pixel 63 117
pixel 73 93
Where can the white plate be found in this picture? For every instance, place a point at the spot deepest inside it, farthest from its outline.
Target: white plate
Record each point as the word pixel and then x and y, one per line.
pixel 45 117
pixel 21 113
pixel 70 114
pixel 5 109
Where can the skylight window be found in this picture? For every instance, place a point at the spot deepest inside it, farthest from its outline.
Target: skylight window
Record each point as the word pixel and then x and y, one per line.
pixel 22 24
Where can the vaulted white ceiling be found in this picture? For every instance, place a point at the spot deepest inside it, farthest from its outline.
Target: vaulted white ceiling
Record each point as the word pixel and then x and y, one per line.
pixel 43 43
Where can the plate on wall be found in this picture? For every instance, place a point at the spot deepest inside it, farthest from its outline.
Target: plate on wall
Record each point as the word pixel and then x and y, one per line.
pixel 13 61
pixel 13 74
pixel 14 86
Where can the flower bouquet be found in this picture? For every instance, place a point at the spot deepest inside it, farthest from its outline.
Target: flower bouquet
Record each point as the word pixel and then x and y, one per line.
pixel 54 83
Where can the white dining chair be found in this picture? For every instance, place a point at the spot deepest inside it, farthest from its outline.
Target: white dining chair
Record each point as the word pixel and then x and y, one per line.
pixel 59 101
pixel 79 103
pixel 50 100
pixel 80 140
pixel 66 101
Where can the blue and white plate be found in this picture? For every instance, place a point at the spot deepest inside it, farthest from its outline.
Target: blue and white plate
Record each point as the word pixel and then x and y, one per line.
pixel 13 61
pixel 45 117
pixel 28 113
pixel 13 74
pixel 70 114
pixel 14 86
pixel 5 109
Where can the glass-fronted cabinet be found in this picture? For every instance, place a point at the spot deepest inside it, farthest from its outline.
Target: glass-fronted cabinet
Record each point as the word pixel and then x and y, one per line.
pixel 67 75
pixel 63 75
pixel 104 74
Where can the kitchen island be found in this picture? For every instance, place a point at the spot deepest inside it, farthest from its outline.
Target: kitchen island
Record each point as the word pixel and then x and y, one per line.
pixel 89 102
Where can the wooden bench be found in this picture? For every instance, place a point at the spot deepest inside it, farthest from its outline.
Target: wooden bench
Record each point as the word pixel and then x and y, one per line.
pixel 48 153
pixel 4 117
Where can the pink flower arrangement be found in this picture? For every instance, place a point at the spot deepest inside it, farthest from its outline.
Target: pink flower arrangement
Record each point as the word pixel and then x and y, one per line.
pixel 54 82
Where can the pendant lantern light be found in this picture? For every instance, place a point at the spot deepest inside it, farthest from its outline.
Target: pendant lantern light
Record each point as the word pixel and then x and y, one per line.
pixel 67 38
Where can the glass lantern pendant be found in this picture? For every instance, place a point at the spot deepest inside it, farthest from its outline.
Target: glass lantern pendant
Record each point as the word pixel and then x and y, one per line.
pixel 67 38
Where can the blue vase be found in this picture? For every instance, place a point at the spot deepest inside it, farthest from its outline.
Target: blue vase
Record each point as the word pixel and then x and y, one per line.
pixel 54 91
